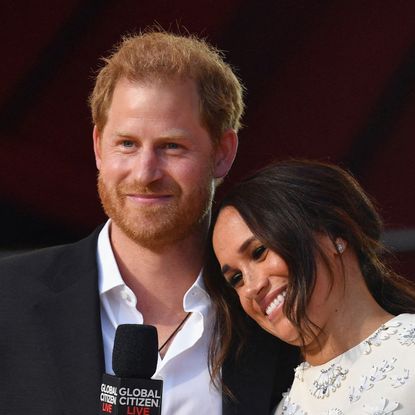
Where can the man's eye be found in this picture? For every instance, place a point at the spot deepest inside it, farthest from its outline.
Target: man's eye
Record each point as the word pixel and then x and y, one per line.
pixel 127 143
pixel 171 146
pixel 235 280
pixel 258 252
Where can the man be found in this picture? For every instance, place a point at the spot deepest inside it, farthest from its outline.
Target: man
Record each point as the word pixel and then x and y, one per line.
pixel 166 111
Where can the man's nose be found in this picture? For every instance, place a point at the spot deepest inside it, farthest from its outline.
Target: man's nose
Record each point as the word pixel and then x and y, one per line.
pixel 148 167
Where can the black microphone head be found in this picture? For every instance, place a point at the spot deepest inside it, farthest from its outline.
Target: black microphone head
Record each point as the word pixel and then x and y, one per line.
pixel 135 351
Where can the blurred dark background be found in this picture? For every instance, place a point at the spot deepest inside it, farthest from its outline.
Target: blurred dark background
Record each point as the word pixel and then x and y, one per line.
pixel 332 80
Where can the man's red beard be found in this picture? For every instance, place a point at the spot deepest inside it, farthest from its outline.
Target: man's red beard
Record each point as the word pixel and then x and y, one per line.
pixel 157 225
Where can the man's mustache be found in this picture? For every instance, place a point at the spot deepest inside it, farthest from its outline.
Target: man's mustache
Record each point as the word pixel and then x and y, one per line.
pixel 153 189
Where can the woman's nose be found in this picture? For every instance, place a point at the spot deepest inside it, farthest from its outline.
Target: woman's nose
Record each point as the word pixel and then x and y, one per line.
pixel 254 285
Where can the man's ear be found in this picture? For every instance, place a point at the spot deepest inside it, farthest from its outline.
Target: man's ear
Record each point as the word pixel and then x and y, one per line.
pixel 97 146
pixel 225 153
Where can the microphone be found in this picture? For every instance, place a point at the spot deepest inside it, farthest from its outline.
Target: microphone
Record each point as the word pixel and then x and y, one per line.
pixel 134 361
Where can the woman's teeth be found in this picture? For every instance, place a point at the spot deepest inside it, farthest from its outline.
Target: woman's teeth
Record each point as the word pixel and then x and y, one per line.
pixel 275 303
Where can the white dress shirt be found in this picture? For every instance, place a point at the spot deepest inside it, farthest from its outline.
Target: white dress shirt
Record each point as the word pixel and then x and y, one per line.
pixel 187 388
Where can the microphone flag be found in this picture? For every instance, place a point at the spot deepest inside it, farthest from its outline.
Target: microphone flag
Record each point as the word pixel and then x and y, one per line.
pixel 134 361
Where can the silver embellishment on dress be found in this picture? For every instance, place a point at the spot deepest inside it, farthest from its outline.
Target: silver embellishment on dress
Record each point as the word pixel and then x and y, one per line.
pixel 291 408
pixel 354 394
pixel 328 381
pixel 378 371
pixel 398 381
pixel 407 336
pixel 382 407
pixel 334 411
pixel 365 384
pixel 382 333
pixel 299 371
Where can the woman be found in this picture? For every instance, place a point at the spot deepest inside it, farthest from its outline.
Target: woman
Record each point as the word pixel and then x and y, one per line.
pixel 299 242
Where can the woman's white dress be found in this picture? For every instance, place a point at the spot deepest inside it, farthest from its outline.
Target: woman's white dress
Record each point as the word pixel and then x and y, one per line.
pixel 376 377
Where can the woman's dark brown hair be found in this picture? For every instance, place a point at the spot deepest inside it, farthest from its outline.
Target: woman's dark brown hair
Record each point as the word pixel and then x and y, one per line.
pixel 285 205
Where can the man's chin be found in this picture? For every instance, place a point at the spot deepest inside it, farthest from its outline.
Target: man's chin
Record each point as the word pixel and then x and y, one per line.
pixel 150 237
pixel 153 233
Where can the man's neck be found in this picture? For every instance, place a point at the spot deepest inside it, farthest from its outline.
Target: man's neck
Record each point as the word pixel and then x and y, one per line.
pixel 159 278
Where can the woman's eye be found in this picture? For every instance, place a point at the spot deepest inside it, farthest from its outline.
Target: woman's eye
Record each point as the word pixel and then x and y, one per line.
pixel 235 280
pixel 258 252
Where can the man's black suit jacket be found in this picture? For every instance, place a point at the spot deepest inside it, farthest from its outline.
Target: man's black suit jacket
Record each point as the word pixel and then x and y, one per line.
pixel 51 352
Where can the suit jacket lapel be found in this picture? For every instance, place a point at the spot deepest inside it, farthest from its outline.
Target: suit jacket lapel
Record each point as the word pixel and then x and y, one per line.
pixel 71 319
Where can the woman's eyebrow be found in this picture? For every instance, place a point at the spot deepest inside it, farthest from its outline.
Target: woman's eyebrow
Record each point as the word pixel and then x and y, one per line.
pixel 241 249
pixel 225 269
pixel 245 245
